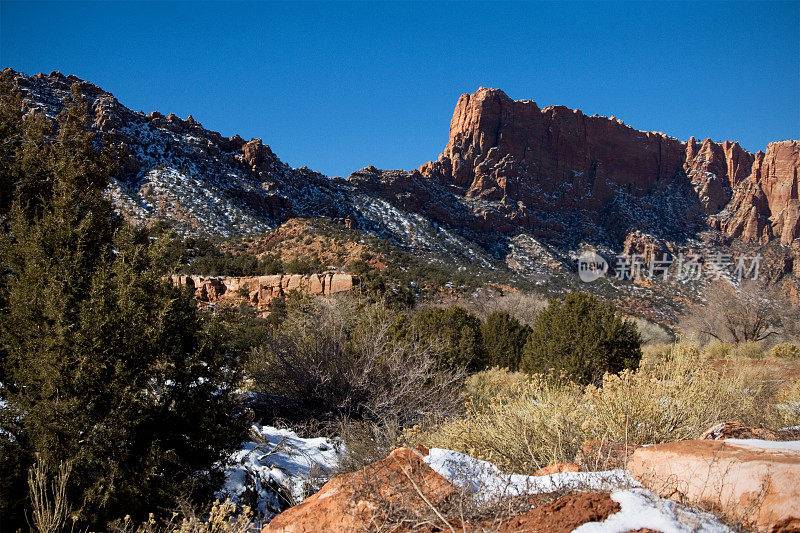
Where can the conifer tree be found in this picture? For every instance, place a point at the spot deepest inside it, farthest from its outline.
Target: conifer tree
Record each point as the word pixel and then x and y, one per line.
pixel 454 332
pixel 102 362
pixel 582 338
pixel 504 338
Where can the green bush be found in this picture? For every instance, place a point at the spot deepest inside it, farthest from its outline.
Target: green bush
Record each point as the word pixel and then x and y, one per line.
pixel 454 333
pixel 504 338
pixel 583 338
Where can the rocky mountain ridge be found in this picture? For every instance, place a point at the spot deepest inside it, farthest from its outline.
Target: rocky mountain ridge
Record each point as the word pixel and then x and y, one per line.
pixel 516 187
pixel 525 161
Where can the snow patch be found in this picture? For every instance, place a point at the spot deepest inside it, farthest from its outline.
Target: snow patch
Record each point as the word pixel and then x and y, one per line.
pixel 278 467
pixel 643 509
pixel 790 446
pixel 488 482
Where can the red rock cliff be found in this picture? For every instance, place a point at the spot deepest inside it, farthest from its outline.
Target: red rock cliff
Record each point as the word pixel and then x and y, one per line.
pixel 556 158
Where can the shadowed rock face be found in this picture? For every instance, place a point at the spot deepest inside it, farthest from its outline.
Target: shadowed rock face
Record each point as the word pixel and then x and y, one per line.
pixel 554 159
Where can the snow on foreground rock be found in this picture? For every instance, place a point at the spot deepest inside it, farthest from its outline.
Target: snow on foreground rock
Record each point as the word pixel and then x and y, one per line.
pixel 639 507
pixel 277 469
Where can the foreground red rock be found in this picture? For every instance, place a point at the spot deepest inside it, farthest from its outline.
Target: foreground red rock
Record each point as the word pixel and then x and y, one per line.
pixel 361 501
pixel 560 516
pixel 754 487
pixel 403 494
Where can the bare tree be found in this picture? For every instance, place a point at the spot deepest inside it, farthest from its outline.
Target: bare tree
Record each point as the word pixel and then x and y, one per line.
pixel 751 312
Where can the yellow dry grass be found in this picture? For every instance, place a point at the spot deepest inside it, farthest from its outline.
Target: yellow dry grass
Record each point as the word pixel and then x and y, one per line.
pixel 522 424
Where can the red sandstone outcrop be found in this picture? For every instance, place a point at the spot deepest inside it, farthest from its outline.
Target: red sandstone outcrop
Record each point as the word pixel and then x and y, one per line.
pixel 557 158
pixel 361 500
pixel 404 486
pixel 759 488
pixel 260 290
pixel 501 148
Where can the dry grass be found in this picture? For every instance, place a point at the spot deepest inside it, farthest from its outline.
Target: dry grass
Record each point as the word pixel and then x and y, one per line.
pixel 523 307
pixel 50 507
pixel 545 420
pixel 224 517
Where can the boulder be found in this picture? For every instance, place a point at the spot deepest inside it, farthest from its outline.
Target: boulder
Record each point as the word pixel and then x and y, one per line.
pixel 756 487
pixel 360 501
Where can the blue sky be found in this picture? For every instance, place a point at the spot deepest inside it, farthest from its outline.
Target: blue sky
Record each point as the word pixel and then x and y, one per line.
pixel 338 86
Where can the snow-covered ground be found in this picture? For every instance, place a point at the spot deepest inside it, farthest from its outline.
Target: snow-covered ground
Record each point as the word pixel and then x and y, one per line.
pixel 277 469
pixel 639 507
pixel 488 482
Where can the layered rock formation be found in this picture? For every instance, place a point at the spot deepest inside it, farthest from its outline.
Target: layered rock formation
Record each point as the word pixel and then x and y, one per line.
pixel 261 290
pixel 525 159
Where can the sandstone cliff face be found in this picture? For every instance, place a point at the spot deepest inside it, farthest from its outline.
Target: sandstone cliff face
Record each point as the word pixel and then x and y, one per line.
pixel 260 290
pixel 526 160
pixel 766 206
pixel 501 148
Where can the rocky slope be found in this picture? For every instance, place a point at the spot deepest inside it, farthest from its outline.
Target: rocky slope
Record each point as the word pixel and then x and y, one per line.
pixel 516 188
pixel 182 172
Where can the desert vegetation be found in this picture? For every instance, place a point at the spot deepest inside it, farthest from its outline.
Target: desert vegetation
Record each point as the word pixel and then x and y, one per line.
pixel 121 402
pixel 522 422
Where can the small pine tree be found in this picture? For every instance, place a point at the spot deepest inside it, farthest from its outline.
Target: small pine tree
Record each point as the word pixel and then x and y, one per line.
pixel 582 338
pixel 504 338
pixel 454 332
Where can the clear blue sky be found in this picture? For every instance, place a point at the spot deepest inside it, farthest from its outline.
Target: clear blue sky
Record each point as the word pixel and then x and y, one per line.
pixel 337 86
